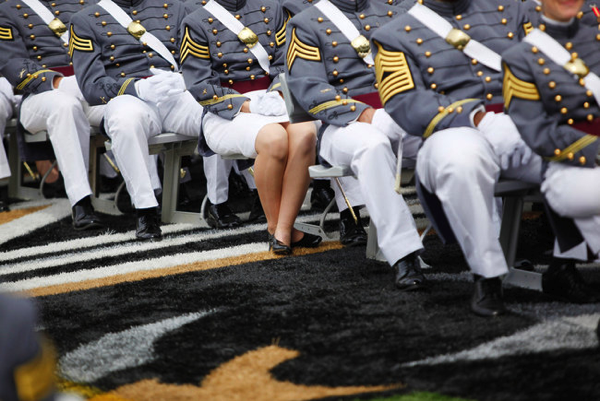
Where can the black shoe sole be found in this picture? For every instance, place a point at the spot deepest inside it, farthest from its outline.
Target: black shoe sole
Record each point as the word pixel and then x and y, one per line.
pixel 91 226
pixel 214 224
pixel 414 287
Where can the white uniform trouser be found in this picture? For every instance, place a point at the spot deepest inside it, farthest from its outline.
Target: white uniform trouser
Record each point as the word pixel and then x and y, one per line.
pixel 461 168
pixel 6 112
pixel 367 150
pixel 408 152
pixel 130 122
pixel 574 192
pixel 217 172
pixel 67 119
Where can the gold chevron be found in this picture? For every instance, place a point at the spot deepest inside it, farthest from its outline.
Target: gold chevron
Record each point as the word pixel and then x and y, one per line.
pixel 280 34
pixel 302 50
pixel 219 99
pixel 330 104
pixel 77 43
pixel 124 86
pixel 574 148
pixel 6 33
pixel 188 46
pixel 392 73
pixel 514 87
pixel 527 27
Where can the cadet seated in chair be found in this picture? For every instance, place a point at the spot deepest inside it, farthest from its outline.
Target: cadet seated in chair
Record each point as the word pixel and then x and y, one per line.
pixel 552 93
pixel 34 46
pixel 333 79
pixel 230 51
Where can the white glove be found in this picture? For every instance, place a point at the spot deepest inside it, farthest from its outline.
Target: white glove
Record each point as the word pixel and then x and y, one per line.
pixel 268 104
pixel 69 85
pixel 160 87
pixel 502 134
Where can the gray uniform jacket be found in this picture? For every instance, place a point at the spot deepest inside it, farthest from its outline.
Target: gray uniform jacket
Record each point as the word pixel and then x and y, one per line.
pixel 108 60
pixel 426 84
pixel 211 54
pixel 293 7
pixel 548 105
pixel 29 47
pixel 324 70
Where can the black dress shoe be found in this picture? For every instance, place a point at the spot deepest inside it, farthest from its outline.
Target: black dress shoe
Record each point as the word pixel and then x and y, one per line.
pixel 257 214
pixel 409 276
pixel 221 216
pixel 563 281
pixel 321 195
pixel 487 299
pixel 4 206
pixel 84 217
pixel 278 247
pixel 148 225
pixel 352 233
pixel 308 241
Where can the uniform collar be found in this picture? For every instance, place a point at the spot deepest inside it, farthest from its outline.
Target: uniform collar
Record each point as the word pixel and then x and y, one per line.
pixel 448 8
pixel 350 5
pixel 561 31
pixel 232 5
pixel 128 3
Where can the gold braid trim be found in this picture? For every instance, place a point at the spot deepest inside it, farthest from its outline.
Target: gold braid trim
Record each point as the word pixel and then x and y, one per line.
pixel 436 120
pixel 124 86
pixel 392 73
pixel 298 49
pixel 514 87
pixel 30 77
pixel 330 104
pixel 219 99
pixel 77 43
pixel 574 148
pixel 6 33
pixel 188 46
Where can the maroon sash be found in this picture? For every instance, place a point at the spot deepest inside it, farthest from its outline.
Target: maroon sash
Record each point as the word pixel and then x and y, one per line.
pixel 496 107
pixel 248 86
pixel 589 127
pixel 372 99
pixel 67 71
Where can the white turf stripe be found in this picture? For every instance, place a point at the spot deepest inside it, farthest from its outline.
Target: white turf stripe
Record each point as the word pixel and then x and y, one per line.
pixel 117 351
pixel 108 239
pixel 132 267
pixel 26 224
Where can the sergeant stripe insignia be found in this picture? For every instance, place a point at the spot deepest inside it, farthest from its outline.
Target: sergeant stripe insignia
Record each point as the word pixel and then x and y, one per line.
pixel 188 46
pixel 298 49
pixel 527 27
pixel 6 33
pixel 77 43
pixel 392 73
pixel 280 34
pixel 514 87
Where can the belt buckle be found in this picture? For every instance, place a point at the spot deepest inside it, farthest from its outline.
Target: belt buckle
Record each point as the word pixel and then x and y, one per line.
pixel 248 37
pixel 57 27
pixel 458 38
pixel 361 45
pixel 136 29
pixel 578 67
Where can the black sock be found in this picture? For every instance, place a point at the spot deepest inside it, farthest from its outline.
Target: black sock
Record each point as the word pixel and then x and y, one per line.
pixel 150 211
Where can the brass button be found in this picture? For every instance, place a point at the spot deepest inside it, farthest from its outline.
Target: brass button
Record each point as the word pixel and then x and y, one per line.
pixel 272 44
pixel 353 108
pixel 109 34
pixel 510 35
pixel 218 44
pixel 338 98
pixel 568 45
pixel 266 20
pixel 589 93
pixel 25 15
pixel 335 73
pixel 407 28
pixel 269 32
pixel 336 59
pixel 112 47
pixel 320 19
pixel 430 70
pixel 30 26
pixel 551 84
pixel 96 14
pixel 210 20
pixel 246 50
pixel 419 41
pixel 112 58
pixel 32 36
pixel 165 16
pixel 172 40
pixel 570 156
pixel 134 12
pixel 226 73
pixel 165 5
pixel 489 96
pixel 390 14
pixel 263 9
pixel 582 160
pixel 586 105
pixel 441 109
pixel 328 31
pixel 564 110
pixel 345 90
pixel 541 61
pixel 557 152
pixel 590 117
pixel 433 86
pixel 488 79
pixel 500 8
pixel 43 79
pixel 252 77
pixel 466 27
pixel 103 23
pixel 503 21
pixel 56 12
pixel 362 16
pixel 546 71
pixel 427 54
pixel 557 98
pixel 215 31
pixel 367 27
pixel 479 73
pixel 570 121
pixel 237 16
pixel 230 106
pixel 534 49
pixel 334 43
pixel 122 74
pixel 168 27
pixel 458 17
pixel 219 55
pixel 250 61
pixel 344 102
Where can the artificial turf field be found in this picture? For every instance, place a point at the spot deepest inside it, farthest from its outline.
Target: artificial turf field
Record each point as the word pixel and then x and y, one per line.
pixel 211 315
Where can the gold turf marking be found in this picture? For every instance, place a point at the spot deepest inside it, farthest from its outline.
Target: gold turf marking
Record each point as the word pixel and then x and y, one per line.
pixel 244 378
pixel 191 267
pixel 7 217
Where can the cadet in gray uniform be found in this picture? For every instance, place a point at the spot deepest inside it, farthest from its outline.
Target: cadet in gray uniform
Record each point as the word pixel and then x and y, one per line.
pixel 556 109
pixel 232 52
pixel 115 46
pixel 334 81
pixel 27 365
pixel 35 60
pixel 6 111
pixel 434 89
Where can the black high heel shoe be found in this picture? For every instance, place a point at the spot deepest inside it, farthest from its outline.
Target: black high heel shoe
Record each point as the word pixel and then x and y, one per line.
pixel 278 247
pixel 308 241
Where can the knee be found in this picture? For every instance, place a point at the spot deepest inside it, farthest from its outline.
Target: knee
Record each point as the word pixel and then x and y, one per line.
pixel 122 115
pixel 273 141
pixel 67 105
pixel 305 137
